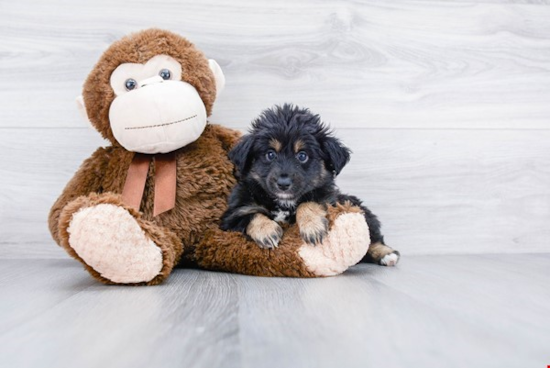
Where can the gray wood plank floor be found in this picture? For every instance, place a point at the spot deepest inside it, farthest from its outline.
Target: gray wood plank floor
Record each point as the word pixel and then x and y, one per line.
pixel 430 311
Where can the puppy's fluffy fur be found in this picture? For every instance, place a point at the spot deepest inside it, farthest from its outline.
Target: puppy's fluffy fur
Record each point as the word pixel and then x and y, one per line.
pixel 286 168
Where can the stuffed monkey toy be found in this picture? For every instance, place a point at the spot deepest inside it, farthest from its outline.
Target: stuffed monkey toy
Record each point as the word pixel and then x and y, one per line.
pixel 153 198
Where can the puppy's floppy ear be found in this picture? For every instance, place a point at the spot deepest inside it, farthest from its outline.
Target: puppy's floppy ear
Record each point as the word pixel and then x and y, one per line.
pixel 240 155
pixel 336 154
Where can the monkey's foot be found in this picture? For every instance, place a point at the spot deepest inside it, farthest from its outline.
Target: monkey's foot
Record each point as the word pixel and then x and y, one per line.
pixel 345 245
pixel 110 241
pixel 115 244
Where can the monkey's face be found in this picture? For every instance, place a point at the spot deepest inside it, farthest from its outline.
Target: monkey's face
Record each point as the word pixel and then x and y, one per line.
pixel 154 110
pixel 151 92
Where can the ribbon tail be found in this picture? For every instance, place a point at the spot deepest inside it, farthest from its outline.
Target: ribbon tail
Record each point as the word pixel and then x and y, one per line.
pixel 135 180
pixel 165 183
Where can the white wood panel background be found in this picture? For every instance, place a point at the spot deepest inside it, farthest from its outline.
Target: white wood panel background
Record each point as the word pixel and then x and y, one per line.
pixel 446 105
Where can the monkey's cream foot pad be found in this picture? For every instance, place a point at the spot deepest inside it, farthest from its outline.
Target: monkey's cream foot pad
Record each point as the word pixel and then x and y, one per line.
pixel 346 244
pixel 109 239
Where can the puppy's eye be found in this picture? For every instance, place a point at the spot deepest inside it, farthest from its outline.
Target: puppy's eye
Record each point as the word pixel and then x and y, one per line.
pixel 302 157
pixel 270 155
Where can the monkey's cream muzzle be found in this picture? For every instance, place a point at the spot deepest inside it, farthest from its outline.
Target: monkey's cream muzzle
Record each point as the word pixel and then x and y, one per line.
pixel 158 117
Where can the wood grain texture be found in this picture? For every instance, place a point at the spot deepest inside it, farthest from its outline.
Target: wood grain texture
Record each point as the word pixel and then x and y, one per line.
pixel 428 64
pixel 444 103
pixel 191 321
pixel 484 311
pixel 436 191
pixel 446 107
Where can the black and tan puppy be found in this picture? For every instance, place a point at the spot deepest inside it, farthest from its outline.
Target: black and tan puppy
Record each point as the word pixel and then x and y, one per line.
pixel 286 168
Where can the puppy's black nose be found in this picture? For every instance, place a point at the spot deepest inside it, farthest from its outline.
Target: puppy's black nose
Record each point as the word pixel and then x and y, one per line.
pixel 284 182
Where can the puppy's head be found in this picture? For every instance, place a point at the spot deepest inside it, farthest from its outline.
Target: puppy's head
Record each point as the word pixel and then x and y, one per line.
pixel 289 152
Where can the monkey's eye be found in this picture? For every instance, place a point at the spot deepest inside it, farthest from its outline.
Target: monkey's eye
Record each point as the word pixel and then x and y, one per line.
pixel 302 157
pixel 270 155
pixel 165 74
pixel 130 84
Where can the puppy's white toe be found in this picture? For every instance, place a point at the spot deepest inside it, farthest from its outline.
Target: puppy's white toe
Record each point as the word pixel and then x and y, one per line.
pixel 390 260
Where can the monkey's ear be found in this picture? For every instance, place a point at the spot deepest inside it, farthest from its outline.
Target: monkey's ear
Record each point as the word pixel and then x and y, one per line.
pixel 218 75
pixel 82 109
pixel 241 156
pixel 337 155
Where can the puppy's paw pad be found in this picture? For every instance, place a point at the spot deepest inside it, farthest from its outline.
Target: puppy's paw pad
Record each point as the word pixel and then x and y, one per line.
pixel 390 260
pixel 265 232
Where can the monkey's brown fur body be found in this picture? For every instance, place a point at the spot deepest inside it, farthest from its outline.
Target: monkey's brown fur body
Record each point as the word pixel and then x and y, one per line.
pixel 204 179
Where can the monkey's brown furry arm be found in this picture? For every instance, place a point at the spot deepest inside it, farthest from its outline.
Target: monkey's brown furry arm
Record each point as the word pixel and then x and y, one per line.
pixel 86 180
pixel 345 245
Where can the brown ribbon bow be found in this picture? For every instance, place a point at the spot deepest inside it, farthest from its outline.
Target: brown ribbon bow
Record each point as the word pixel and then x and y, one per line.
pixel 165 181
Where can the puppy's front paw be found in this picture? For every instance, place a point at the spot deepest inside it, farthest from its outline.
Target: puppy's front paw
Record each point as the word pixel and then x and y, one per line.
pixel 312 221
pixel 264 231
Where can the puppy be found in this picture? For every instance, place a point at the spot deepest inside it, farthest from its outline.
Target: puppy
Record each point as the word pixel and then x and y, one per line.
pixel 286 168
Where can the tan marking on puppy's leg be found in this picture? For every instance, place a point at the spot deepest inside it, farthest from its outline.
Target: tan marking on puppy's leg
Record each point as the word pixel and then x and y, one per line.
pixel 264 231
pixel 312 221
pixel 298 146
pixel 275 144
pixel 382 254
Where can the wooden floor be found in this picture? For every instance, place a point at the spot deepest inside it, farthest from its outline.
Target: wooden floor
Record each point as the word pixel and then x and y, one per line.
pixel 430 311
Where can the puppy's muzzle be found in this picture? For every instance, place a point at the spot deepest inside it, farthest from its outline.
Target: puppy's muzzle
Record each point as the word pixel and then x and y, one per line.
pixel 284 183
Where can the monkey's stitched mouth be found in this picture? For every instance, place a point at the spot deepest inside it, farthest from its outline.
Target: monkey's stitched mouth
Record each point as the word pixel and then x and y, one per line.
pixel 161 125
